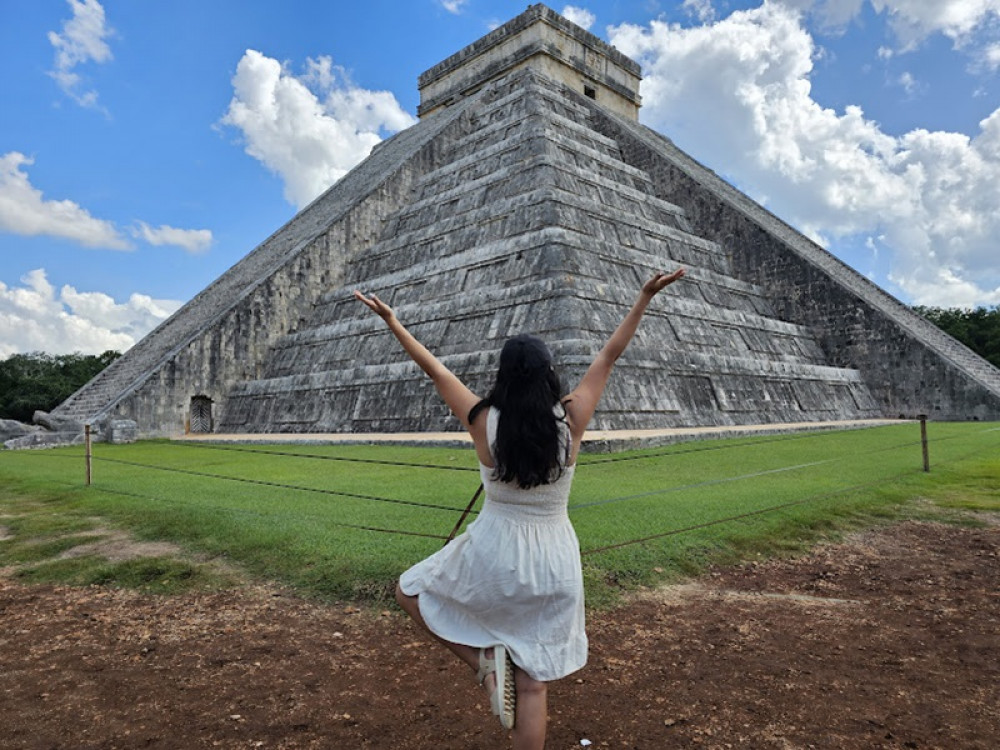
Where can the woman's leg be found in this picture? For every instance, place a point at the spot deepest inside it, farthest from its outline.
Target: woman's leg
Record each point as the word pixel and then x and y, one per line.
pixel 468 654
pixel 532 712
pixel 532 696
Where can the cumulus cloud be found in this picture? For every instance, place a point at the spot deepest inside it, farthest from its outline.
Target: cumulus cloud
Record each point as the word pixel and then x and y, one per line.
pixel 453 6
pixel 23 210
pixel 580 16
pixel 194 241
pixel 736 95
pixel 312 129
pixel 83 39
pixel 34 317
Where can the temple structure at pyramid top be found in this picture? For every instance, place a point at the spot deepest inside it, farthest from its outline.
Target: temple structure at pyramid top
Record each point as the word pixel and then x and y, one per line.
pixel 546 42
pixel 528 198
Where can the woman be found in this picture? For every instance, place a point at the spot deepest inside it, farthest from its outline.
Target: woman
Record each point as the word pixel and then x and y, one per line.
pixel 506 596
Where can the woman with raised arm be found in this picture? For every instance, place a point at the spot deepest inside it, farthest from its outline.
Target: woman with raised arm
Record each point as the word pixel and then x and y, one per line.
pixel 506 596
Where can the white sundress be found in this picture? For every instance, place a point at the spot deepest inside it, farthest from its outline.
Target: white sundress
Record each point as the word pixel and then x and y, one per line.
pixel 512 578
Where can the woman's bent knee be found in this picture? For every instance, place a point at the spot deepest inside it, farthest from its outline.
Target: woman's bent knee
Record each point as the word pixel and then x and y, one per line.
pixel 526 684
pixel 409 604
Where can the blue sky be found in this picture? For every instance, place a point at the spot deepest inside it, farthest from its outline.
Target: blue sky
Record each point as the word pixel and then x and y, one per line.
pixel 147 147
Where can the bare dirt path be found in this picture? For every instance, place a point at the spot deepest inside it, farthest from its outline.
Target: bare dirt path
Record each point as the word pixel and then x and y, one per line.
pixel 889 640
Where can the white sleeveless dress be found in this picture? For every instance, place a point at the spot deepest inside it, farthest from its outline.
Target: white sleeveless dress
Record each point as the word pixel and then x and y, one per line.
pixel 512 578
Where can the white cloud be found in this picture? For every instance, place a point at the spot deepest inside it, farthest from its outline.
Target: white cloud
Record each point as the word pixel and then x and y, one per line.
pixel 368 111
pixel 736 95
pixel 83 39
pixel 908 83
pixel 700 9
pixel 194 241
pixel 24 211
pixel 33 317
pixel 453 6
pixel 912 21
pixel 309 130
pixel 915 20
pixel 991 57
pixel 580 16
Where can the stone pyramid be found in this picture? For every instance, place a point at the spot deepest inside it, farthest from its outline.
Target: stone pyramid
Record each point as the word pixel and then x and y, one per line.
pixel 529 199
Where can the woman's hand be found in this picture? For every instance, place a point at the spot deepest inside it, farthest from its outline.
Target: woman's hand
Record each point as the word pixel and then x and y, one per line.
pixel 376 305
pixel 660 281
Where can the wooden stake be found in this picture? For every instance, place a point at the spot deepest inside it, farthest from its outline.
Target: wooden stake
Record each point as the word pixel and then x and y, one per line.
pixel 86 432
pixel 923 441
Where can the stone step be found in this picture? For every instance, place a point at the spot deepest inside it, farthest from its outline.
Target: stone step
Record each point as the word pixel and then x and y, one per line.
pixel 549 307
pixel 530 94
pixel 533 211
pixel 519 112
pixel 471 183
pixel 536 137
pixel 739 390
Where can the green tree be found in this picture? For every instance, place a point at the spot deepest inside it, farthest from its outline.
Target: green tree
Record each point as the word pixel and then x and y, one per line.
pixel 39 381
pixel 978 329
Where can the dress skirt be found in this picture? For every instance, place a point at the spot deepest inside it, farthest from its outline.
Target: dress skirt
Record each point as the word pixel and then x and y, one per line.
pixel 512 578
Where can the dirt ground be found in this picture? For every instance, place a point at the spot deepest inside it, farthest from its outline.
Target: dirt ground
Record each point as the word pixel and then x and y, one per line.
pixel 890 640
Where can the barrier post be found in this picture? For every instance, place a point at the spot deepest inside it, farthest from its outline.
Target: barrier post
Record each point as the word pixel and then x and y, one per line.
pixel 923 441
pixel 86 433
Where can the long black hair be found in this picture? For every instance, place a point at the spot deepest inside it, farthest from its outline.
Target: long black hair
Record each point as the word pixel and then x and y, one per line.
pixel 528 450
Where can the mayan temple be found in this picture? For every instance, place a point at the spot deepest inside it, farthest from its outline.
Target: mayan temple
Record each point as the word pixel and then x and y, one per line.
pixel 529 199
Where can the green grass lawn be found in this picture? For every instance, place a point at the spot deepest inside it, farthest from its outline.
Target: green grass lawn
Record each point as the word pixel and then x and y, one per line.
pixel 344 521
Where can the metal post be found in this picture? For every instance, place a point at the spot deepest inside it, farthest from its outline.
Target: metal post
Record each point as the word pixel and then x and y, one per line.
pixel 86 432
pixel 923 441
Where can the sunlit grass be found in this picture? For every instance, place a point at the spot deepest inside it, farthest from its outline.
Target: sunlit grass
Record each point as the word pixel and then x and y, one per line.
pixel 340 528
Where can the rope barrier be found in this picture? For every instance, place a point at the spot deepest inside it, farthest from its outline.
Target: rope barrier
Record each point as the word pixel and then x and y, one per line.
pixel 740 477
pixel 695 485
pixel 587 463
pixel 465 513
pixel 265 483
pixel 705 448
pixel 782 506
pixel 268 452
pixel 296 516
pixel 749 514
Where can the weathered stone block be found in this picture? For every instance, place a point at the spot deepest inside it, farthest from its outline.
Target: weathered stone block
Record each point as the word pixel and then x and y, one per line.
pixel 11 428
pixel 120 431
pixel 43 439
pixel 57 423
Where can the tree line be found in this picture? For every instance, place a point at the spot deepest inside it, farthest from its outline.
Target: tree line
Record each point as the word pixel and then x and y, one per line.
pixel 40 382
pixel 978 329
